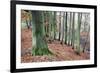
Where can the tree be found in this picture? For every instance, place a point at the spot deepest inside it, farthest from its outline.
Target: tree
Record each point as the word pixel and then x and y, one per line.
pixel 27 23
pixel 59 25
pixel 69 34
pixel 78 34
pixel 62 41
pixel 28 18
pixel 51 37
pixel 25 17
pixel 66 29
pixel 73 31
pixel 86 30
pixel 87 37
pixel 41 47
pixel 54 25
pixel 46 14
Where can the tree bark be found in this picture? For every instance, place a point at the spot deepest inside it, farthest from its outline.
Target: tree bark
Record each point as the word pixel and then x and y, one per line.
pixel 73 33
pixel 54 25
pixel 69 34
pixel 62 41
pixel 66 29
pixel 41 47
pixel 78 35
pixel 59 26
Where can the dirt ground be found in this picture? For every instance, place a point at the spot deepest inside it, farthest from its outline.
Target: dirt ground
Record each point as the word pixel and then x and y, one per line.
pixel 60 52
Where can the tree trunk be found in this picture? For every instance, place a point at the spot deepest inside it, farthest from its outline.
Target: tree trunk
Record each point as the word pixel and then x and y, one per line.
pixel 73 31
pixel 87 37
pixel 66 29
pixel 62 41
pixel 27 22
pixel 41 47
pixel 54 25
pixel 45 22
pixel 69 40
pixel 78 35
pixel 59 26
pixel 50 27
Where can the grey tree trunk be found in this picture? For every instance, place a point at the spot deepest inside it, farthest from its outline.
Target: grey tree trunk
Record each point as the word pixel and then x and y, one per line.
pixel 66 29
pixel 62 41
pixel 59 26
pixel 78 50
pixel 73 31
pixel 41 47
pixel 69 34
pixel 55 25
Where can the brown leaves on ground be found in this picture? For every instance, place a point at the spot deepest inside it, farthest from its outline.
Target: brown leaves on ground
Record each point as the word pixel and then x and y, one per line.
pixel 26 38
pixel 60 52
pixel 65 52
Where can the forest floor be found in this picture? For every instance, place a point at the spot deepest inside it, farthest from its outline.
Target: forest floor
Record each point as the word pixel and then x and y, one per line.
pixel 60 52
